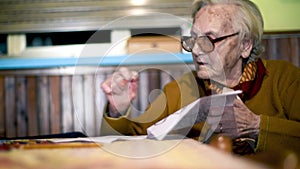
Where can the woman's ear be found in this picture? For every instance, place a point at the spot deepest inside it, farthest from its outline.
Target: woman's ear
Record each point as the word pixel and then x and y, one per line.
pixel 246 47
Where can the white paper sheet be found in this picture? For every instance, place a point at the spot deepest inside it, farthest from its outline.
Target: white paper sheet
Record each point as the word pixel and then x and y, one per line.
pixel 196 111
pixel 101 139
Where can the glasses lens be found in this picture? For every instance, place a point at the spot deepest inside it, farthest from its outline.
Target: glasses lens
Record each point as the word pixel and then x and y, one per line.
pixel 187 43
pixel 205 44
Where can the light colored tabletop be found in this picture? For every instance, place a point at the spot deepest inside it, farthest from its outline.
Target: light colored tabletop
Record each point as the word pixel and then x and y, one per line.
pixel 132 154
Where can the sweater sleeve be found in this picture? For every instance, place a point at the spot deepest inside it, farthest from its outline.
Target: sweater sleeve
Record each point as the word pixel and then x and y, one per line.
pixel 278 133
pixel 165 104
pixel 283 131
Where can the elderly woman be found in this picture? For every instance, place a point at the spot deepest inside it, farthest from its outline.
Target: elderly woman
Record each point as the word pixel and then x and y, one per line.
pixel 225 43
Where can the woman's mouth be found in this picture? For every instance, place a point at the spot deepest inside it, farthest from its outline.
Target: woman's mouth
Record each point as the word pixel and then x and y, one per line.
pixel 201 63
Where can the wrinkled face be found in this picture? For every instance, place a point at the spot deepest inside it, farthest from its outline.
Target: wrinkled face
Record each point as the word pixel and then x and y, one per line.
pixel 225 61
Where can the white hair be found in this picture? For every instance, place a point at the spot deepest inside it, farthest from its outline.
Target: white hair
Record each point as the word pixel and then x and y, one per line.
pixel 247 18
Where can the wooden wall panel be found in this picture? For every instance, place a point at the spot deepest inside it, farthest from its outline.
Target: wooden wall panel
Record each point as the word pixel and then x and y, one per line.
pixel 144 87
pixel 55 106
pixel 67 104
pixel 282 47
pixel 2 107
pixel 10 112
pixel 89 107
pixel 154 84
pixel 43 105
pixel 32 105
pixel 78 100
pixel 21 115
pixel 270 49
pixel 100 102
pixel 295 48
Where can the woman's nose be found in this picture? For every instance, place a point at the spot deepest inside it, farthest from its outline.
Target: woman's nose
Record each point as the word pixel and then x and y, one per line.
pixel 196 50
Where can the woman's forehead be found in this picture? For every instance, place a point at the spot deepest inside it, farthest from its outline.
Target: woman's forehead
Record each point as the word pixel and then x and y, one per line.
pixel 214 18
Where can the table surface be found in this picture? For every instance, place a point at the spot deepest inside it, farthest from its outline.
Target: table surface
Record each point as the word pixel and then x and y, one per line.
pixel 132 154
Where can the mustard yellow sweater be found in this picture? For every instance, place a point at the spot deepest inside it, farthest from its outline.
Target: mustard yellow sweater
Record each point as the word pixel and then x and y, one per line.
pixel 277 102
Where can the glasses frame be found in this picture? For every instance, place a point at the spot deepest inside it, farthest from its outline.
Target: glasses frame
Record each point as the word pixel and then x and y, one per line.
pixel 213 41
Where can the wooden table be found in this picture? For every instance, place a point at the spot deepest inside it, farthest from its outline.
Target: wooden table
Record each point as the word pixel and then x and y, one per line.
pixel 146 153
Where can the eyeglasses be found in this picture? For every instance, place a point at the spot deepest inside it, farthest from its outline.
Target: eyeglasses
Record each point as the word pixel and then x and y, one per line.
pixel 206 43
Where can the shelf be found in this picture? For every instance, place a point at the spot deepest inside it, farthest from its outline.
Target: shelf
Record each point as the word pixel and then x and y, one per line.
pixel 142 59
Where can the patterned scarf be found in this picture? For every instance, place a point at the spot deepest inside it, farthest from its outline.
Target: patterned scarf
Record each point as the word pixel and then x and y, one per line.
pixel 250 82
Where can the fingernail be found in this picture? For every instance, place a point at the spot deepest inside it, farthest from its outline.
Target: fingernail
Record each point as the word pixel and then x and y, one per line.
pixel 124 82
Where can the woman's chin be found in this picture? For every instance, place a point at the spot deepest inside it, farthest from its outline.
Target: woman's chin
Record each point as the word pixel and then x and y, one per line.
pixel 203 74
